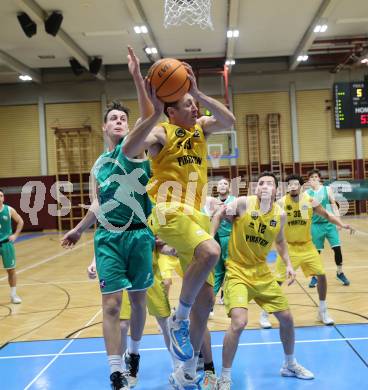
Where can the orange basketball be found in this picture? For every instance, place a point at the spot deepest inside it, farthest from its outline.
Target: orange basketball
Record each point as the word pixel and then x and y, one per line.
pixel 170 79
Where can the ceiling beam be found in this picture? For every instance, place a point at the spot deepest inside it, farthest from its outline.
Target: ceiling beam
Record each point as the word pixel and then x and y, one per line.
pixel 309 35
pixel 19 67
pixel 139 18
pixel 232 24
pixel 39 15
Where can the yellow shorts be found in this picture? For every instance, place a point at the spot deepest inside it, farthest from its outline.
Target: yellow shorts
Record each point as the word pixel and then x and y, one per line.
pixel 242 285
pixel 158 304
pixel 304 256
pixel 181 227
pixel 168 264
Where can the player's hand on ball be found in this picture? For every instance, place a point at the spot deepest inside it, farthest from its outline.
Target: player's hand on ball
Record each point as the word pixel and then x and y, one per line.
pixel 291 275
pixel 158 105
pixel 193 90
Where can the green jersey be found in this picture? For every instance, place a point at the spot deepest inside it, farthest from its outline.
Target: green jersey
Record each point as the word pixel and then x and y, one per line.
pixel 322 198
pixel 122 194
pixel 5 223
pixel 225 226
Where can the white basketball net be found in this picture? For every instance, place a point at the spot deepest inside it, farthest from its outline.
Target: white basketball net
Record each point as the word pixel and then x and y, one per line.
pixel 178 12
pixel 215 158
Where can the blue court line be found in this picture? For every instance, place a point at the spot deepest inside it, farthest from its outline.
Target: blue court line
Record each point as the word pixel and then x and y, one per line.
pixel 83 365
pixel 29 236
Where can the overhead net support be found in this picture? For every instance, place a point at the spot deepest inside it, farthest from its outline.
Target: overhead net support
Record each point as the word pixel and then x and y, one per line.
pixel 192 12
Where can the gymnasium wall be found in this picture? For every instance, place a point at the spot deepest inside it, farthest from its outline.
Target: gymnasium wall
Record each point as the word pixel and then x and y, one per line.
pixel 19 141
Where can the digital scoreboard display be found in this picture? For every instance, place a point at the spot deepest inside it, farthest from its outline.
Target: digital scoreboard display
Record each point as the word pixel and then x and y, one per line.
pixel 351 105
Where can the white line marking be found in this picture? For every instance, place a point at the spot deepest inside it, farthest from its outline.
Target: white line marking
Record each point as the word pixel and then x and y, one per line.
pixel 61 351
pixel 63 253
pixel 53 282
pixel 164 348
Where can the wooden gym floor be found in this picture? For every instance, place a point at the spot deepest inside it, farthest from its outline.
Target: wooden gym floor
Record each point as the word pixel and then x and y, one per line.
pixel 59 301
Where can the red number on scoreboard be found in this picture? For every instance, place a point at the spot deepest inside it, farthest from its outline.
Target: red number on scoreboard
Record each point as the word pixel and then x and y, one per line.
pixel 364 119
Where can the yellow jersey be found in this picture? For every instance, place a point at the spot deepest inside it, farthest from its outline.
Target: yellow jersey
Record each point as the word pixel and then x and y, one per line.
pixel 253 234
pixel 298 218
pixel 179 171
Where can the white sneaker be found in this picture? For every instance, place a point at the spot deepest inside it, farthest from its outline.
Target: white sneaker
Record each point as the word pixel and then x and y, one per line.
pixel 15 299
pixel 325 318
pixel 296 370
pixel 264 321
pixel 181 380
pixel 224 384
pixel 209 381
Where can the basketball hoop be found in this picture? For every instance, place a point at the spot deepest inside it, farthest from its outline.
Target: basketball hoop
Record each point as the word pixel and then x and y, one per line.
pixel 215 157
pixel 178 12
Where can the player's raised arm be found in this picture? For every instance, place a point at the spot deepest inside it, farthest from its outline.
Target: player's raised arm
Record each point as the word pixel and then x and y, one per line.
pixel 281 247
pixel 222 118
pixel 139 139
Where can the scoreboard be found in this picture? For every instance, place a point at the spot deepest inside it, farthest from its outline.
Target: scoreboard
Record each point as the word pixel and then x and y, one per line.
pixel 351 105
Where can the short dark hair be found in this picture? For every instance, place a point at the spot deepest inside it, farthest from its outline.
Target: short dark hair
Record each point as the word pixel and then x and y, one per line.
pixel 313 171
pixel 1 190
pixel 115 105
pixel 167 105
pixel 266 173
pixel 293 176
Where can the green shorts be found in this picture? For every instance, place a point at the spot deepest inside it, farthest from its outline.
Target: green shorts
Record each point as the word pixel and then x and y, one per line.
pixel 323 231
pixel 124 259
pixel 7 252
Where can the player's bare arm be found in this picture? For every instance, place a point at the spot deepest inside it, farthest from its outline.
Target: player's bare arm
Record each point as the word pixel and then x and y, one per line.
pixel 281 247
pixel 222 118
pixel 19 222
pixel 139 139
pixel 318 209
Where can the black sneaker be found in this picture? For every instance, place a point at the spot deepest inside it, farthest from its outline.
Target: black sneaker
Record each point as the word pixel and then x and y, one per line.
pixel 131 361
pixel 118 381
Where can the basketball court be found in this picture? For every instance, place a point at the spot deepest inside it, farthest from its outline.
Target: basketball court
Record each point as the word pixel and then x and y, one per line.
pixel 296 79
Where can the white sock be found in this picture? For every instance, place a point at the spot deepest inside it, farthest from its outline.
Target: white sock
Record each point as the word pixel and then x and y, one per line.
pixel 190 366
pixel 134 346
pixel 226 373
pixel 183 311
pixel 322 305
pixel 290 359
pixel 13 291
pixel 115 363
pixel 339 269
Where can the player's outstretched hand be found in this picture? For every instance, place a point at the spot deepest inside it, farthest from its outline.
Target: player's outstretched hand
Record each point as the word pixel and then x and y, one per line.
pixel 350 228
pixel 70 239
pixel 133 63
pixel 291 275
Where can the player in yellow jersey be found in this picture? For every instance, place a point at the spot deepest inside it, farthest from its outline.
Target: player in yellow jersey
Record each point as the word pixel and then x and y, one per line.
pixel 178 186
pixel 299 208
pixel 257 222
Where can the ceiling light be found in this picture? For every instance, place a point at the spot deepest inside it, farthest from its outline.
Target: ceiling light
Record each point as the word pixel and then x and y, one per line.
pixel 140 29
pixel 324 28
pixel 317 28
pixel 25 77
pixel 364 61
pixel 230 62
pixel 305 57
pixel 320 28
pixel 232 33
pixel 302 58
pixel 150 50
